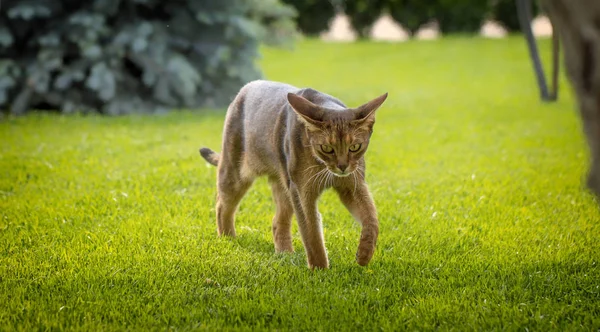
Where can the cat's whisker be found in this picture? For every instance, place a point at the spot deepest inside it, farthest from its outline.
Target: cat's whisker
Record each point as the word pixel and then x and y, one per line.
pixel 323 182
pixel 314 177
pixel 355 183
pixel 310 168
pixel 317 177
pixel 361 173
pixel 322 176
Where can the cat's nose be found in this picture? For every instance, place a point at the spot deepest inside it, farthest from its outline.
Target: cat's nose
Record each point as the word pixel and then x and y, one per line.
pixel 342 167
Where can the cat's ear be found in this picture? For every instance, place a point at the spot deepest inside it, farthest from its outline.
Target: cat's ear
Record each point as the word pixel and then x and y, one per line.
pixel 309 113
pixel 367 110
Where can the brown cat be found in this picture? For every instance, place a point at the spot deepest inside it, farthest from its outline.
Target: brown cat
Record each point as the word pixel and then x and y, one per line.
pixel 305 141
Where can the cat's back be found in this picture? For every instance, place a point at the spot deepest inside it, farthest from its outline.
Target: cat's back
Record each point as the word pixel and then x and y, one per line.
pixel 260 95
pixel 263 95
pixel 257 87
pixel 257 104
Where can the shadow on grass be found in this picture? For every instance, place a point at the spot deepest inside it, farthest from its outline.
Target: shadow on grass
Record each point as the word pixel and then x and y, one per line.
pixel 241 282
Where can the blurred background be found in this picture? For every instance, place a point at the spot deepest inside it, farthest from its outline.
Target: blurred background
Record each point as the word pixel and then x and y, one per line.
pixel 147 56
pixel 107 219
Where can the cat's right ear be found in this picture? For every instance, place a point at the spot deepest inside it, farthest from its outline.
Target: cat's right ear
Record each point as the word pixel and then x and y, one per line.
pixel 309 113
pixel 367 110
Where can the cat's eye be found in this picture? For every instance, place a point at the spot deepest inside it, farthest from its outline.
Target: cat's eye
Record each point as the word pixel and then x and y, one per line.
pixel 326 148
pixel 355 147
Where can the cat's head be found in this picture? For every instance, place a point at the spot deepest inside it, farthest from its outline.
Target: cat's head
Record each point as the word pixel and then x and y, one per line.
pixel 338 138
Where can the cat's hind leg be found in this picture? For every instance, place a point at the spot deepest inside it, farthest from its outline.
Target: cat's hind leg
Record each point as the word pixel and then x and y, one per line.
pixel 232 181
pixel 229 195
pixel 282 221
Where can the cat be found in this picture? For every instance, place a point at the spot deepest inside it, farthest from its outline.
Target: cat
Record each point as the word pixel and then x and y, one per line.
pixel 304 141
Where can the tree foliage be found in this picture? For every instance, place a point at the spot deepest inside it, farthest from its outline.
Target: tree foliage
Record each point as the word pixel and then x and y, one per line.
pixel 505 11
pixel 363 14
pixel 461 15
pixel 412 13
pixel 453 16
pixel 314 16
pixel 123 56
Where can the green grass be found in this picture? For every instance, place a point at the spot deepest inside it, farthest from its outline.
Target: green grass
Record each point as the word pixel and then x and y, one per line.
pixel 108 223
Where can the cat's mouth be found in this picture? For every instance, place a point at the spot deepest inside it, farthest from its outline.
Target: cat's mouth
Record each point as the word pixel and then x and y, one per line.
pixel 340 174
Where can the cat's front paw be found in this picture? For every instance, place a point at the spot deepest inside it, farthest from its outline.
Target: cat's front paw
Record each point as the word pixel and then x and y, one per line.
pixel 364 257
pixel 319 266
pixel 366 246
pixel 318 261
pixel 284 247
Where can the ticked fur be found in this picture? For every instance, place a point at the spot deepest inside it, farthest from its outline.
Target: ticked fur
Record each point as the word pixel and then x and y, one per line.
pixel 304 141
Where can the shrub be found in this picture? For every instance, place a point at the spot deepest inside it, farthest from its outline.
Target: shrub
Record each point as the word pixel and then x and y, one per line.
pixel 313 16
pixel 505 12
pixel 461 15
pixel 363 13
pixel 411 14
pixel 122 56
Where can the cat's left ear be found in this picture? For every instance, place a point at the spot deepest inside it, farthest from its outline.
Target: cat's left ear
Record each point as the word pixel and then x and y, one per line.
pixel 366 112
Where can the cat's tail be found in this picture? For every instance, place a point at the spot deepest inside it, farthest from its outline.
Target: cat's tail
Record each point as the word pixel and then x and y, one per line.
pixel 210 156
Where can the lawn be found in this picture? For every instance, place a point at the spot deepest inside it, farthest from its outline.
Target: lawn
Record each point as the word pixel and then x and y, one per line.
pixel 109 223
